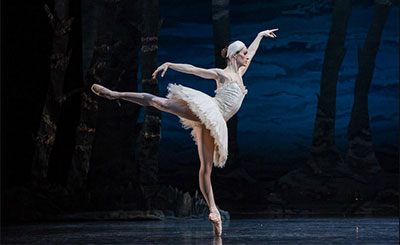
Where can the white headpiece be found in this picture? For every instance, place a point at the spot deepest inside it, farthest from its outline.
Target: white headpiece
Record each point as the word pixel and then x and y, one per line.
pixel 234 47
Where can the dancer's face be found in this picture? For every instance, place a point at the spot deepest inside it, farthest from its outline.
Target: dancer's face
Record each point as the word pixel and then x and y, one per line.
pixel 242 58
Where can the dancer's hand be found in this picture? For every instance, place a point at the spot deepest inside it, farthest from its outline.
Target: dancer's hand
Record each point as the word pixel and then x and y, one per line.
pixel 163 67
pixel 268 33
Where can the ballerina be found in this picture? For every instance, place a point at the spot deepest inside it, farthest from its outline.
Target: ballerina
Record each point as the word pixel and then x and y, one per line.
pixel 206 115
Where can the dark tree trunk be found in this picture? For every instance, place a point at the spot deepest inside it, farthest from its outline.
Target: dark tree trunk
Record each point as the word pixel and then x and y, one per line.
pixel 59 61
pixel 151 129
pixel 108 141
pixel 222 37
pixel 91 13
pixel 77 177
pixel 111 175
pixel 324 152
pixel 221 29
pixel 360 155
pixel 63 147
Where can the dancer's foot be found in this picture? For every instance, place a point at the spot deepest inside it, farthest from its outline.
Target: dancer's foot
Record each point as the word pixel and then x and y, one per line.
pixel 215 219
pixel 104 92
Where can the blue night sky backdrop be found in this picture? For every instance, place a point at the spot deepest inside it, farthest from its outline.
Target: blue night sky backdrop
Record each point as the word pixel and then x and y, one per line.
pixel 276 120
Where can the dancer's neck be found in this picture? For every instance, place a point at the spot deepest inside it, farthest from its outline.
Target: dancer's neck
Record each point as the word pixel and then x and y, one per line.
pixel 231 68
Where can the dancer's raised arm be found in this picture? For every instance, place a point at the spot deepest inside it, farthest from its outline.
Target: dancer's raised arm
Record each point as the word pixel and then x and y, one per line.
pixel 189 69
pixel 254 46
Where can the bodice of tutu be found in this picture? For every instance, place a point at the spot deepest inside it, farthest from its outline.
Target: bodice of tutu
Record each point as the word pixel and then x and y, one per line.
pixel 229 99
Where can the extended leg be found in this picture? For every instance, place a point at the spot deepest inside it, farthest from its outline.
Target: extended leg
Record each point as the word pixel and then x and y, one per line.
pixel 205 144
pixel 176 107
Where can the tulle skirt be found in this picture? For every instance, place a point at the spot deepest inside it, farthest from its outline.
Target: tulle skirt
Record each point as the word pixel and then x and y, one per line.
pixel 207 110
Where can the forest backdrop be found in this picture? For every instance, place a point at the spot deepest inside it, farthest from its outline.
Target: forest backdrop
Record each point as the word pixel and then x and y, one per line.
pixel 321 114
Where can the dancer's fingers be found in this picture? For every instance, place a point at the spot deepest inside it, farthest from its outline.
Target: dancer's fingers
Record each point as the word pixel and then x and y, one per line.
pixel 156 72
pixel 165 70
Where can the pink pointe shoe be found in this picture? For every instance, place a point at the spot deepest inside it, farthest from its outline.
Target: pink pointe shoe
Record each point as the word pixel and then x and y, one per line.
pixel 103 92
pixel 215 219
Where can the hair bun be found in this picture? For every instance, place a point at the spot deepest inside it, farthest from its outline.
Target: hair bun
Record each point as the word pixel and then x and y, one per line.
pixel 224 51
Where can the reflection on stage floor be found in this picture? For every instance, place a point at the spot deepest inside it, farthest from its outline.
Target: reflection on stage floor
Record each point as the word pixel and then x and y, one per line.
pixel 199 231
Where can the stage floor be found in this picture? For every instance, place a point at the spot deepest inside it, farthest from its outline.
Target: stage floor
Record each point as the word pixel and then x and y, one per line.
pixel 199 231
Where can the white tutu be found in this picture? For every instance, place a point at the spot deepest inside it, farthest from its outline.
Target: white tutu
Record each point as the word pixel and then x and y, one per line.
pixel 213 113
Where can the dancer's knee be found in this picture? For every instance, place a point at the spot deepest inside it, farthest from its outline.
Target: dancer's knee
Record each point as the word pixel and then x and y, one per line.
pixel 206 170
pixel 154 101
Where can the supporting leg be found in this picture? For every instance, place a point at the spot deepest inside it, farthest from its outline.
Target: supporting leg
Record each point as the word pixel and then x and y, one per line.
pixel 205 144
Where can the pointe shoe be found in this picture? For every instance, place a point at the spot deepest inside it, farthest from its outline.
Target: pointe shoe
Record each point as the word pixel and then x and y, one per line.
pixel 103 92
pixel 215 219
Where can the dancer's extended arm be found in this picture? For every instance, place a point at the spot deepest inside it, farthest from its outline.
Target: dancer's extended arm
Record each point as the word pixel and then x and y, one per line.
pixel 189 69
pixel 254 46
